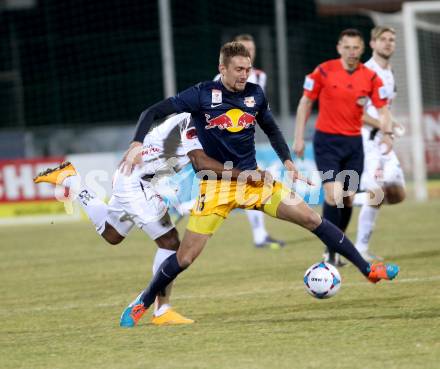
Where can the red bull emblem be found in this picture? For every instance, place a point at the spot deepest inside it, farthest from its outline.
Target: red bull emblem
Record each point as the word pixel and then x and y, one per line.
pixel 234 120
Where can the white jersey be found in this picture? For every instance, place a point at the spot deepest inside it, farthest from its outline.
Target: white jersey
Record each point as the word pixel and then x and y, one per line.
pixel 136 199
pixel 166 146
pixel 256 76
pixel 387 78
pixel 379 170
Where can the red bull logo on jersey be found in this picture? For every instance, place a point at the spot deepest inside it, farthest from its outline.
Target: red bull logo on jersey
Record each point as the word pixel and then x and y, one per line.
pixel 234 120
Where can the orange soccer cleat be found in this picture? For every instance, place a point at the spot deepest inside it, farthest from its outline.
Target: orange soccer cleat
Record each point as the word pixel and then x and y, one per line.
pixel 56 175
pixel 380 271
pixel 171 317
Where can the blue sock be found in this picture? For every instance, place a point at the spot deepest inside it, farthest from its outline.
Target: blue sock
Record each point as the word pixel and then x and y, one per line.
pixel 166 273
pixel 336 241
pixel 345 218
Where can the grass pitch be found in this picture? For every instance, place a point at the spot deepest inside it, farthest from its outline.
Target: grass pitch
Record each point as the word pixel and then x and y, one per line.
pixel 63 290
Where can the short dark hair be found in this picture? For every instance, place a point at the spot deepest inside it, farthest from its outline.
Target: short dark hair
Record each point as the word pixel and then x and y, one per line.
pixel 350 32
pixel 244 37
pixel 231 49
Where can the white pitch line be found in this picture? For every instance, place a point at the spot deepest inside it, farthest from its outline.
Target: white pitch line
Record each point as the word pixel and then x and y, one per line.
pixel 218 296
pixel 301 286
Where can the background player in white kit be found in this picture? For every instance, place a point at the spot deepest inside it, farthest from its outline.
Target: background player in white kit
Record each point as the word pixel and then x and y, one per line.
pixel 256 218
pixel 382 177
pixel 134 201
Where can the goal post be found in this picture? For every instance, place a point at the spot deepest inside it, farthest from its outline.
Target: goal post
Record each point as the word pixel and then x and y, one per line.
pixel 415 101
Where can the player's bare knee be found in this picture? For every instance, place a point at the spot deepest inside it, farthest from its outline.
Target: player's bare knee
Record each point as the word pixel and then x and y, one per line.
pixel 333 198
pixel 169 241
pixel 333 192
pixel 330 199
pixel 111 235
pixel 311 220
pixel 185 260
pixel 348 201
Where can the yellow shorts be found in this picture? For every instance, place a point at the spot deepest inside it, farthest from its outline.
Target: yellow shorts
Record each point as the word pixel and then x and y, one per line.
pixel 217 198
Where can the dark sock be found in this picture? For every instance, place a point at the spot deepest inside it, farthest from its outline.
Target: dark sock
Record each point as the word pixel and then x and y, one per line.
pixel 336 241
pixel 166 273
pixel 333 214
pixel 345 217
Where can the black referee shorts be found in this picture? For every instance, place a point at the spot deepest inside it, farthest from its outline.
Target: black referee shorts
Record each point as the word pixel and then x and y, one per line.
pixel 339 158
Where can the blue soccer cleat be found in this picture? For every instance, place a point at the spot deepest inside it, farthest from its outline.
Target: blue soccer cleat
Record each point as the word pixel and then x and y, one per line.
pixel 132 313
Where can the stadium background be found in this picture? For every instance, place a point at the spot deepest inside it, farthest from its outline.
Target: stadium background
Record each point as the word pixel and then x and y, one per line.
pixel 75 75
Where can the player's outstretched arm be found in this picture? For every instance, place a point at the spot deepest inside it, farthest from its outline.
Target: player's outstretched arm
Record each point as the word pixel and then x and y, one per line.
pixel 157 111
pixel 133 155
pixel 369 120
pixel 276 138
pixel 200 161
pixel 302 115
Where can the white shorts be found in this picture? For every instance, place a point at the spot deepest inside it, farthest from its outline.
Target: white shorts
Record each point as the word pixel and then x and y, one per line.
pixel 136 202
pixel 380 170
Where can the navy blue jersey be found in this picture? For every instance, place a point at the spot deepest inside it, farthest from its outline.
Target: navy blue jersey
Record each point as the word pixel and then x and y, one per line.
pixel 225 120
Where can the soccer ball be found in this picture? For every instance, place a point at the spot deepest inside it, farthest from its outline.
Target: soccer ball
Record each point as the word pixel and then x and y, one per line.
pixel 322 280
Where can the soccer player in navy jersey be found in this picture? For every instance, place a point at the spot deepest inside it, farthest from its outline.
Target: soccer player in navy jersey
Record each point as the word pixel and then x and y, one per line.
pixel 225 113
pixel 256 218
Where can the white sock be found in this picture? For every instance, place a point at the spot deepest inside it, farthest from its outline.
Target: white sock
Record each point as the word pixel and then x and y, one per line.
pixel 162 310
pixel 360 198
pixel 256 219
pixel 95 208
pixel 161 255
pixel 367 219
pixel 159 258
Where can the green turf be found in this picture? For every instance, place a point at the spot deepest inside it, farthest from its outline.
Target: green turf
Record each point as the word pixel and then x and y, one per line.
pixel 62 291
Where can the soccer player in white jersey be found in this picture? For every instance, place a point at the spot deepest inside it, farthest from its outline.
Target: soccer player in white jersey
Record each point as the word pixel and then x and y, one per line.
pixel 382 177
pixel 256 218
pixel 134 201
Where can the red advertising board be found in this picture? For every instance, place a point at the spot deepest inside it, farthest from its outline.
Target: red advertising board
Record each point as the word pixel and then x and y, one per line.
pixel 20 196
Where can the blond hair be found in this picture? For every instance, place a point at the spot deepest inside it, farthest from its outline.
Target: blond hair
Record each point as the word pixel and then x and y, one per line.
pixel 377 31
pixel 231 49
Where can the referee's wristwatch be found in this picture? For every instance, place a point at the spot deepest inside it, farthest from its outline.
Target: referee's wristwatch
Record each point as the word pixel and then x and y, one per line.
pixel 389 133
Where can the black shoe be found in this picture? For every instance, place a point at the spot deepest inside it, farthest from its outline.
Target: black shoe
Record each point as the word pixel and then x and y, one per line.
pixel 334 259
